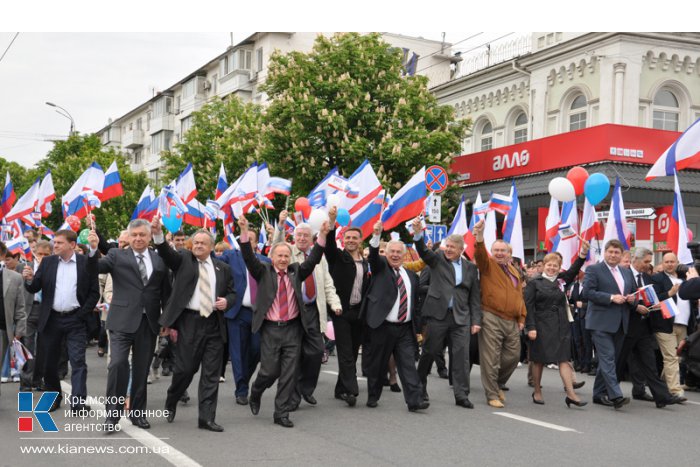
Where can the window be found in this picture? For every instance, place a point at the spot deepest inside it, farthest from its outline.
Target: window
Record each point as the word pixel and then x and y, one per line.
pixel 577 114
pixel 139 124
pixel 520 129
pixel 137 157
pixel 149 116
pixel 666 110
pixel 153 176
pixel 259 59
pixel 185 124
pixel 214 83
pixel 188 89
pixel 157 143
pixel 245 59
pixel 486 137
pixel 167 140
pixel 163 107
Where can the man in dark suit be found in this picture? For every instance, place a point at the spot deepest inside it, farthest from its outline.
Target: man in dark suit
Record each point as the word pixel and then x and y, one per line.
pixel 582 336
pixel 70 291
pixel 276 314
pixel 350 274
pixel 390 310
pixel 140 289
pixel 452 309
pixel 639 341
pixel 609 289
pixel 194 319
pixel 243 344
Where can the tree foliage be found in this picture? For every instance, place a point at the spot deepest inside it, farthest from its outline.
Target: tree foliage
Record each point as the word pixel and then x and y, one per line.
pixel 225 131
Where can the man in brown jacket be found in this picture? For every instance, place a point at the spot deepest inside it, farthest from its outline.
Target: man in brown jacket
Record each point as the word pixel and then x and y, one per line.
pixel 503 318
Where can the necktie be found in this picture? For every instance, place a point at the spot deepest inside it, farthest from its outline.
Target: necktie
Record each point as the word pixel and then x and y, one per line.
pixel 206 305
pixel 512 278
pixel 310 285
pixel 618 278
pixel 640 284
pixel 403 297
pixel 282 297
pixel 142 269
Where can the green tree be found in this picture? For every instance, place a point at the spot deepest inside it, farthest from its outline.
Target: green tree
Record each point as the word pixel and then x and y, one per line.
pixel 225 131
pixel 347 100
pixel 18 174
pixel 67 161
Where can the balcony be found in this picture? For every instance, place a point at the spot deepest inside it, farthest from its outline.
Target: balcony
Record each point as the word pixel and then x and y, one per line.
pixel 165 122
pixel 133 139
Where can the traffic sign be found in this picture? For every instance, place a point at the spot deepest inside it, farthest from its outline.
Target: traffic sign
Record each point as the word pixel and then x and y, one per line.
pixel 436 179
pixel 434 208
pixel 435 233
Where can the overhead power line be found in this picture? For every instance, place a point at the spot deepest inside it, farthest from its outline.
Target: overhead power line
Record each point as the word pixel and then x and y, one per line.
pixel 8 47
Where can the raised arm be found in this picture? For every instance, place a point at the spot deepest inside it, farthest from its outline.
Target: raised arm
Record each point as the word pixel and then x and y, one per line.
pixel 170 257
pixel 252 263
pixel 278 236
pixel 307 267
pixel 570 274
pixel 481 256
pixel 426 254
pixel 331 250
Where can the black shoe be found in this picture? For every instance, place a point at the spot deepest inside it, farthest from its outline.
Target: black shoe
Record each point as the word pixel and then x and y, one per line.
pixel 350 399
pixel 466 403
pixel 603 401
pixel 537 401
pixel 395 387
pixel 371 403
pixel 426 398
pixel 422 406
pixel 442 373
pixel 241 400
pixel 254 404
pixel 284 421
pixel 643 397
pixel 579 384
pixel 109 427
pixel 211 426
pixel 503 387
pixel 673 400
pixel 171 413
pixel 592 372
pixel 80 410
pixel 585 369
pixel 618 402
pixel 185 398
pixel 570 401
pixel 166 372
pixel 310 399
pixel 140 422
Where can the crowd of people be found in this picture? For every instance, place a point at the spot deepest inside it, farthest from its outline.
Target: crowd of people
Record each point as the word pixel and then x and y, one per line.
pixel 160 302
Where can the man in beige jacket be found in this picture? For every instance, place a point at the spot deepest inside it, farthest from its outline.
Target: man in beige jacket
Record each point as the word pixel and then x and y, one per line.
pixel 13 316
pixel 318 293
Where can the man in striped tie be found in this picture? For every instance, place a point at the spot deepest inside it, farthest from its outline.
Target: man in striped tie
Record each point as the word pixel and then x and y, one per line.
pixel 390 310
pixel 281 316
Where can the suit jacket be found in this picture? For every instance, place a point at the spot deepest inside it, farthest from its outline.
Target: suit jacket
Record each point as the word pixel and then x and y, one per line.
pixel 383 291
pixel 129 296
pixel 325 287
pixel 28 297
pixel 14 303
pixel 88 287
pixel 185 267
pixel 598 286
pixel 466 296
pixel 577 296
pixel 342 268
pixel 267 278
pixel 639 325
pixel 234 258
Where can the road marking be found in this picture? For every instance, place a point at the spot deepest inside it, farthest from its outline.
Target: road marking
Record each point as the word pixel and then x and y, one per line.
pixel 155 444
pixel 335 373
pixel 533 421
pixel 691 402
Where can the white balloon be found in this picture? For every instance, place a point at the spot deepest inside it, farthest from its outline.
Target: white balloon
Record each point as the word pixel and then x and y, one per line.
pixel 562 189
pixel 332 200
pixel 317 218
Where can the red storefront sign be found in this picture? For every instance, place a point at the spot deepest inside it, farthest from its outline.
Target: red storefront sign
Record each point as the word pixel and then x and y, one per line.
pixel 597 144
pixel 661 224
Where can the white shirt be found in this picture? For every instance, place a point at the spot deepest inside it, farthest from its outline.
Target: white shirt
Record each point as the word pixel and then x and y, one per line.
pixel 66 293
pixel 194 301
pixel 683 306
pixel 147 261
pixel 393 316
pixel 246 295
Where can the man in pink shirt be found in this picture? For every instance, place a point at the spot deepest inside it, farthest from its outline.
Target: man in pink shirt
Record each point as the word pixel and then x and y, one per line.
pixel 279 314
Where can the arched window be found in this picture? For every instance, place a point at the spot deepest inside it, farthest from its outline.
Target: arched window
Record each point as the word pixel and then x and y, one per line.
pixel 577 113
pixel 666 110
pixel 520 129
pixel 486 137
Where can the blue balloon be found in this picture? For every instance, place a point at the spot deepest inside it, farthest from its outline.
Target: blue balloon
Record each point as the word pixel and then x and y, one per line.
pixel 343 217
pixel 596 188
pixel 172 221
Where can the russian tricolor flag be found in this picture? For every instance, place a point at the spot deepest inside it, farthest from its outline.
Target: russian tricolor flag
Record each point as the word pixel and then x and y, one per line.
pixel 279 185
pixel 46 194
pixel 616 227
pixel 19 245
pixel 460 226
pixel 668 308
pixel 513 225
pixel 551 225
pixel 500 203
pixel 568 244
pixel 196 215
pixel 590 229
pixel 682 153
pixel 364 211
pixel 221 183
pixel 26 204
pixel 113 183
pixel 407 203
pixel 142 210
pixel 92 179
pixel 677 237
pixel 8 197
pixel 648 296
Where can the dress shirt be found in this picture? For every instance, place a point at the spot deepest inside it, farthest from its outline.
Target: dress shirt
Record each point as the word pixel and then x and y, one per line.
pixel 147 261
pixel 66 293
pixel 393 316
pixel 193 304
pixel 617 275
pixel 457 265
pixel 683 306
pixel 246 295
pixel 273 313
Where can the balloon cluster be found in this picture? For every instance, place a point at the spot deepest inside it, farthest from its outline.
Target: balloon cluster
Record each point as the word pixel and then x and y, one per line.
pixel 316 217
pixel 578 182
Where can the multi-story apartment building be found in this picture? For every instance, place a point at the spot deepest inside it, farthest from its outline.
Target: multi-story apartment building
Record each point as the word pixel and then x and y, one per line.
pixel 611 102
pixel 160 123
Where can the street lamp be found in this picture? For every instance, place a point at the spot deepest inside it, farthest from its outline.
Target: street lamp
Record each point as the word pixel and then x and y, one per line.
pixel 65 114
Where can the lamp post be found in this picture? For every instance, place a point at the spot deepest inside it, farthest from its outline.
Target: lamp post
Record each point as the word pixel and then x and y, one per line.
pixel 66 114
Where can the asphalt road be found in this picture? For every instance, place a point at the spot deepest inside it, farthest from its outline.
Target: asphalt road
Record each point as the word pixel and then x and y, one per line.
pixel 333 434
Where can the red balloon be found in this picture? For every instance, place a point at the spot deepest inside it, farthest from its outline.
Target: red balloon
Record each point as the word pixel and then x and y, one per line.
pixel 577 176
pixel 302 205
pixel 73 222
